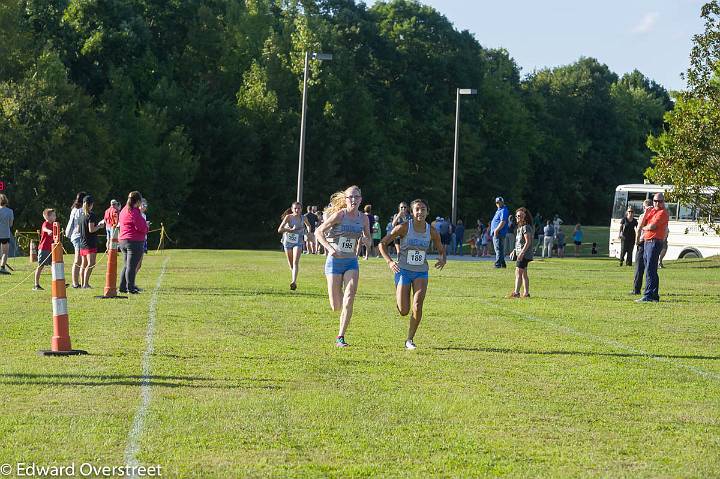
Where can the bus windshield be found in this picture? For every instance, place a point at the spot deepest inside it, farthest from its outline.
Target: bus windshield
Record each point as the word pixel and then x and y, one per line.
pixel 628 199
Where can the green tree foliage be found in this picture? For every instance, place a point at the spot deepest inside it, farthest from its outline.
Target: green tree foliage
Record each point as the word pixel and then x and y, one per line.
pixel 687 154
pixel 589 130
pixel 51 140
pixel 196 103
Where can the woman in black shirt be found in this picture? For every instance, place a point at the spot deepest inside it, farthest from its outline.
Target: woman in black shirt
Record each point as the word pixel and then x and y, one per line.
pixel 89 227
pixel 627 236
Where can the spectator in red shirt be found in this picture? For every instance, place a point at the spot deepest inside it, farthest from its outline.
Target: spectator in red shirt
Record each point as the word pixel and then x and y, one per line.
pixel 111 218
pixel 133 229
pixel 654 228
pixel 45 246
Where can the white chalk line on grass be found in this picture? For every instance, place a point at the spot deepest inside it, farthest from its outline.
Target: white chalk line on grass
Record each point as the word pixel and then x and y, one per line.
pixel 133 444
pixel 609 342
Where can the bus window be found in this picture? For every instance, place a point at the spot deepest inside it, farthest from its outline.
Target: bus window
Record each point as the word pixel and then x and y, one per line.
pixel 637 206
pixel 620 204
pixel 672 210
pixel 686 213
pixel 635 200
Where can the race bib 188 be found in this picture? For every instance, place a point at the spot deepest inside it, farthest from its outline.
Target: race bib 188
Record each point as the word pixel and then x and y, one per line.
pixel 347 245
pixel 415 257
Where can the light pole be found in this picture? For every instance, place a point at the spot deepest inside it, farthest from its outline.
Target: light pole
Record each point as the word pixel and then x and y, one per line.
pixel 301 162
pixel 460 91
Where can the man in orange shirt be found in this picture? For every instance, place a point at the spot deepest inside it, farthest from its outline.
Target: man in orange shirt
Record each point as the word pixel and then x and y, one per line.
pixel 111 220
pixel 654 228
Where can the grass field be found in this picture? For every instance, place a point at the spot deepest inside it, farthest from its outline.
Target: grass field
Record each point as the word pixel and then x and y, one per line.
pixel 245 381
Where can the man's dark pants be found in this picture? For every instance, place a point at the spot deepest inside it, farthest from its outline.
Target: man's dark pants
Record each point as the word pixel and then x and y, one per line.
pixel 652 280
pixel 639 267
pixel 499 245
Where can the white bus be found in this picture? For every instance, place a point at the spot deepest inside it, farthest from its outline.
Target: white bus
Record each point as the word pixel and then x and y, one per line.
pixel 685 240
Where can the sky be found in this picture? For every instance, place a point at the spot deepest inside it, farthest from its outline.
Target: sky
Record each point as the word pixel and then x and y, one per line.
pixel 653 36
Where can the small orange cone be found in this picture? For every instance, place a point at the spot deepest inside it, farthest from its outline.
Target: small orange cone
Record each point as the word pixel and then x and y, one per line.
pixel 60 345
pixel 111 273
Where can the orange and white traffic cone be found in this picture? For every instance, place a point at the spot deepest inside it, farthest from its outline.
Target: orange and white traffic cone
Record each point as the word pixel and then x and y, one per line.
pixel 33 252
pixel 60 345
pixel 111 273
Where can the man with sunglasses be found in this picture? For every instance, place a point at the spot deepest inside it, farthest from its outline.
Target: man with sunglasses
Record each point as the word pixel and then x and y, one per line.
pixel 654 229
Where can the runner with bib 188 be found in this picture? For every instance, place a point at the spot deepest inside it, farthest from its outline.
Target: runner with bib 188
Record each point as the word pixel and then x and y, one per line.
pixel 411 269
pixel 344 227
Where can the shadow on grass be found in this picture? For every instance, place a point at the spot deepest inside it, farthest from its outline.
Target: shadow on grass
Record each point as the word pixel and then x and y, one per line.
pixel 575 353
pixel 240 292
pixel 25 379
pixel 257 292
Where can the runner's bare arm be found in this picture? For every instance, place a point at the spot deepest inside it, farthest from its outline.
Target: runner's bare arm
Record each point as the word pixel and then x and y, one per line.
pixel 398 232
pixel 282 228
pixel 332 220
pixel 367 236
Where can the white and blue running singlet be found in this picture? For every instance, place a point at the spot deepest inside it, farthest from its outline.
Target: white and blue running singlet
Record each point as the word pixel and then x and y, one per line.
pixel 345 235
pixel 413 249
pixel 296 237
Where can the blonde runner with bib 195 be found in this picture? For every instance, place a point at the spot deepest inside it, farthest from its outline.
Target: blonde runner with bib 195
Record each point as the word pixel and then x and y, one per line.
pixel 293 227
pixel 340 234
pixel 411 269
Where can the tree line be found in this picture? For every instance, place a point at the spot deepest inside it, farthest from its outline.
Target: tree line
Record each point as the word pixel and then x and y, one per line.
pixel 196 103
pixel 687 152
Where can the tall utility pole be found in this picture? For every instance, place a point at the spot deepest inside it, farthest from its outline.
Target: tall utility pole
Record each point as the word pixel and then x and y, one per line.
pixel 459 91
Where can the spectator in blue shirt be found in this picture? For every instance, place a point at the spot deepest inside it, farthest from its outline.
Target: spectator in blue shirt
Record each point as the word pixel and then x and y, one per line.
pixel 578 238
pixel 548 239
pixel 499 228
pixel 443 227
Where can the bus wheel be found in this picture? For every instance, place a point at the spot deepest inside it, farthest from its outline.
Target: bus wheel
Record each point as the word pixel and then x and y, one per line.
pixel 690 254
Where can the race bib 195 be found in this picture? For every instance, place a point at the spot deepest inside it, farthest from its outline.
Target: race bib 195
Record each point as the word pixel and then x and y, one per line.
pixel 416 257
pixel 346 245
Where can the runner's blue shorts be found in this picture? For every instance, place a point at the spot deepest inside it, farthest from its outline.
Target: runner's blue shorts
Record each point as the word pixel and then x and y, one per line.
pixel 340 266
pixel 293 245
pixel 407 277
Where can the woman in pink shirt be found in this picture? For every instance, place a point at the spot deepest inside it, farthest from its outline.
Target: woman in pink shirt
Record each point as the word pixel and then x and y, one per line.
pixel 133 229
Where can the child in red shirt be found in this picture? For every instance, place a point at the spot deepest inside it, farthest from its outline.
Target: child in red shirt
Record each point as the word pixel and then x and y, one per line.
pixel 45 246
